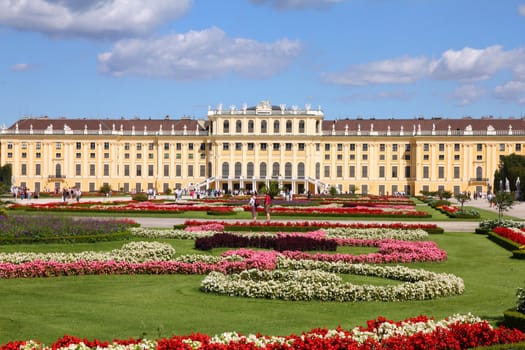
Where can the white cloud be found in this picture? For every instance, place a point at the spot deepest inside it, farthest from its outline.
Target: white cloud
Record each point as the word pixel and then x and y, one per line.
pixel 464 65
pixel 197 55
pixel 467 94
pixel 399 70
pixel 297 4
pixel 471 64
pixel 19 67
pixel 100 18
pixel 512 91
pixel 376 96
pixel 521 10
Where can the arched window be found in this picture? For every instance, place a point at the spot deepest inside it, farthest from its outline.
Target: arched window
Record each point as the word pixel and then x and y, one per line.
pixel 238 126
pixel 226 127
pixel 264 127
pixel 250 126
pixel 209 169
pixel 58 170
pixel 262 170
pixel 276 127
pixel 249 170
pixel 275 170
pixel 288 126
pixel 479 173
pixel 317 125
pixel 301 126
pixel 288 170
pixel 225 170
pixel 238 170
pixel 300 170
pixel 317 170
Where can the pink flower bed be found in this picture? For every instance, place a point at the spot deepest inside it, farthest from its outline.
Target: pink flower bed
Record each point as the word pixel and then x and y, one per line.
pixel 259 260
pixel 390 251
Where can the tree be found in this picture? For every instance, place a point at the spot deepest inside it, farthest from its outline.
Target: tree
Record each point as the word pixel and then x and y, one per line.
pixel 6 174
pixel 503 201
pixel 105 188
pixel 461 198
pixel 333 191
pixel 272 189
pixel 443 194
pixel 511 167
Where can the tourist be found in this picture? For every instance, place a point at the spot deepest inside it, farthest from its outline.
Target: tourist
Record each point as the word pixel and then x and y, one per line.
pixel 254 203
pixel 267 203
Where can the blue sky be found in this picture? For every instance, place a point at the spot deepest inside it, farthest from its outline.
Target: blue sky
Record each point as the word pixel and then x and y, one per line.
pixel 351 58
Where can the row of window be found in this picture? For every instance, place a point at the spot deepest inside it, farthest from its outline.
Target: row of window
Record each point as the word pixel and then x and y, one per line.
pixel 150 170
pixel 264 126
pixel 178 146
pixel 276 170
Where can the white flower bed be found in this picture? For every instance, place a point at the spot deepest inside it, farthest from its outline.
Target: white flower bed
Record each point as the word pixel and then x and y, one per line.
pixel 377 233
pixel 130 252
pixel 169 233
pixel 315 280
pixel 339 232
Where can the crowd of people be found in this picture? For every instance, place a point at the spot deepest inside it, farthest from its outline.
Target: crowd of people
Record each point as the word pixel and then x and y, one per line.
pixel 23 192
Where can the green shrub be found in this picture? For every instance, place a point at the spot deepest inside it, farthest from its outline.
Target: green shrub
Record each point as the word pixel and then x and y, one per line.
pixel 520 300
pixel 465 214
pixel 518 254
pixel 217 212
pixel 482 231
pixel 439 202
pixel 140 197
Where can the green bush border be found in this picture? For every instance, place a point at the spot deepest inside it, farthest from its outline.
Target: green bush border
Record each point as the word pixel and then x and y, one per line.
pixel 502 241
pixel 514 319
pixel 117 236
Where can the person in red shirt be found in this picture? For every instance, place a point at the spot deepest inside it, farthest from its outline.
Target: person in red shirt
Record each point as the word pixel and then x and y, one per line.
pixel 267 203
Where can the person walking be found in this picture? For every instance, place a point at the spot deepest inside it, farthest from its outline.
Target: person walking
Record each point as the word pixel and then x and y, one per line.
pixel 267 203
pixel 254 203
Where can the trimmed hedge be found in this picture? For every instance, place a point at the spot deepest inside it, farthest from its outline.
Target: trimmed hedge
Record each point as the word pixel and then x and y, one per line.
pixel 279 243
pixel 514 319
pixel 503 242
pixel 118 236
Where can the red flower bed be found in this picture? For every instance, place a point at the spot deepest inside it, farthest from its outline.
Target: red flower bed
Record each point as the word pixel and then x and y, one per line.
pixel 514 235
pixel 377 335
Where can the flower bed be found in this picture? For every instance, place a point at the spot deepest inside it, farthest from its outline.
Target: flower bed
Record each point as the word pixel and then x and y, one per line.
pixel 422 332
pixel 135 252
pixel 516 235
pixel 29 229
pixel 306 225
pixel 173 207
pixel 280 243
pixel 316 280
pixel 389 250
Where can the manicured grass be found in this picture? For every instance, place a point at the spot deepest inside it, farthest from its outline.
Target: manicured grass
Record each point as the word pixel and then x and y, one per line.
pixel 108 307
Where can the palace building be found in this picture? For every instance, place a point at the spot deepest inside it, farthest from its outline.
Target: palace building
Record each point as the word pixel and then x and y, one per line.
pixel 245 148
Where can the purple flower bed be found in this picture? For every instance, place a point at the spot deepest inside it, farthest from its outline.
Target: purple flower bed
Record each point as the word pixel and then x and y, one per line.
pixel 26 229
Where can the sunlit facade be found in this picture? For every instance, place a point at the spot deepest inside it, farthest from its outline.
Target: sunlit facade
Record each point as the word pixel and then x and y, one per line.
pixel 246 147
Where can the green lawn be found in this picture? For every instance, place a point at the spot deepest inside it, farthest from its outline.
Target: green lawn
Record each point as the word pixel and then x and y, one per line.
pixel 108 307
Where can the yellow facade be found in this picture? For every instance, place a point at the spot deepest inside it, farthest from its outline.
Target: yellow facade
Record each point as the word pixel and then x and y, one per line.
pixel 246 148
